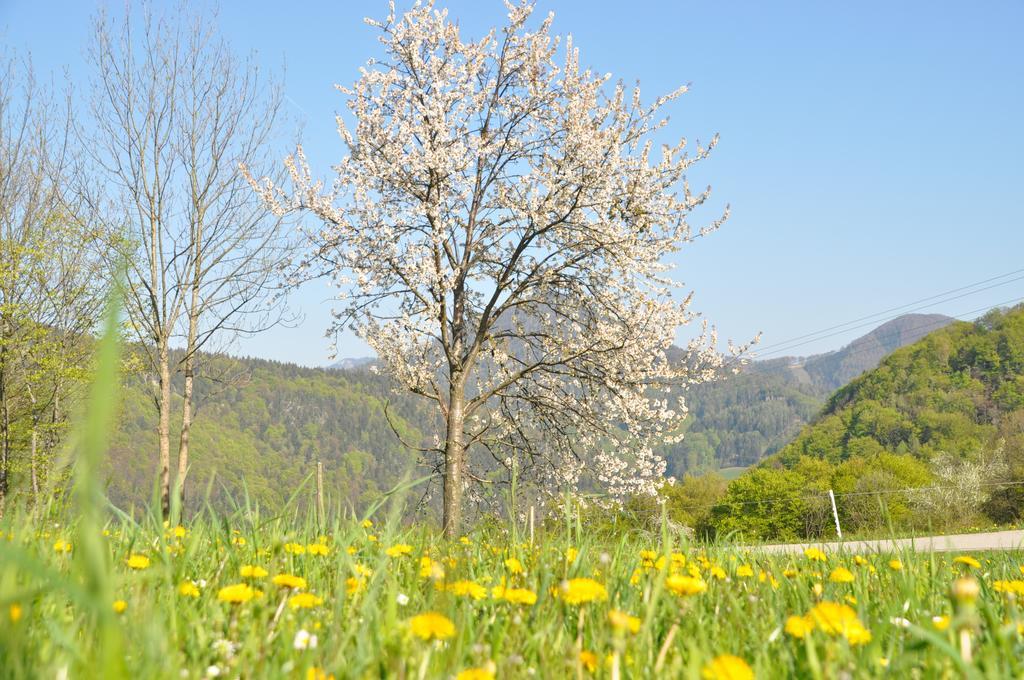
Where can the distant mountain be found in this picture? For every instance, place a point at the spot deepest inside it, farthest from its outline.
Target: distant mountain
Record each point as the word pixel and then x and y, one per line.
pixel 350 363
pixel 740 419
pixel 830 371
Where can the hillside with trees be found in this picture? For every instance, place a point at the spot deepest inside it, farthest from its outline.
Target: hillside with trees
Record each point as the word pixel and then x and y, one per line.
pixel 263 431
pixel 943 417
pixel 739 419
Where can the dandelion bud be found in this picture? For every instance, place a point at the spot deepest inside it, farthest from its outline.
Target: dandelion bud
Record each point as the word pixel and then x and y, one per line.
pixel 965 590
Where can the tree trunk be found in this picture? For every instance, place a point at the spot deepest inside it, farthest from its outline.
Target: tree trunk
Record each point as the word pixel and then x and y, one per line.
pixel 164 429
pixel 186 428
pixel 5 433
pixel 33 464
pixel 32 449
pixel 454 460
pixel 190 358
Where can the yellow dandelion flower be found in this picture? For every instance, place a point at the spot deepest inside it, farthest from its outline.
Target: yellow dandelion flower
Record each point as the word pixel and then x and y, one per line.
pixel 367 524
pixel 622 621
pixel 304 601
pixel 815 555
pixel 354 585
pixel 318 549
pixel 432 626
pixel 588 660
pixel 685 585
pixel 137 562
pixel 14 612
pixel 514 595
pixel 858 635
pixel 896 565
pixel 514 566
pixel 967 561
pixel 315 673
pixel 179 531
pixel 841 575
pixel 62 546
pixel 295 548
pixel 727 667
pixel 238 593
pixel 252 571
pixel 718 573
pixel 188 589
pixel 799 626
pixel 571 554
pixel 835 618
pixel 466 588
pixel 580 591
pixel 1014 587
pixel 238 540
pixel 399 550
pixel 744 571
pixel 431 569
pixel 120 606
pixel 289 581
pixel 860 560
pixel 482 673
pixel 940 623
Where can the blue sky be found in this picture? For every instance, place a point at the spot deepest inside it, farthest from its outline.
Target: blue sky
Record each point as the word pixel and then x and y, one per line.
pixel 871 151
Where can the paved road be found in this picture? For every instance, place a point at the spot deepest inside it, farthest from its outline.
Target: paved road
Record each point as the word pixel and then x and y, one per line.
pixel 994 540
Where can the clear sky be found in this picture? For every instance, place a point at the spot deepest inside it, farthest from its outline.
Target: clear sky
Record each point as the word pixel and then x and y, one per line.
pixel 871 151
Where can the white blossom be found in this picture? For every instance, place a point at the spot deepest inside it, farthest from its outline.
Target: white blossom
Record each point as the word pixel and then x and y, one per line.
pixel 304 640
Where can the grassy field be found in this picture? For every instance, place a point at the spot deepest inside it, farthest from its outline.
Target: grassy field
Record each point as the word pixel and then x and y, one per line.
pixel 89 592
pixel 252 597
pixel 731 473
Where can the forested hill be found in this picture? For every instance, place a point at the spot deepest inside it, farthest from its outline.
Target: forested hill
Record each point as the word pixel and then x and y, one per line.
pixel 737 421
pixel 943 417
pixel 955 392
pixel 262 425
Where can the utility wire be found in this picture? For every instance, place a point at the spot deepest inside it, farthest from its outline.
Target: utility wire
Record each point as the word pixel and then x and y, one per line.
pixel 761 355
pixel 905 306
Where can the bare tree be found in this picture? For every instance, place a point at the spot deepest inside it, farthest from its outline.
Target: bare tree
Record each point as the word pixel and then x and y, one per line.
pixel 498 231
pixel 175 113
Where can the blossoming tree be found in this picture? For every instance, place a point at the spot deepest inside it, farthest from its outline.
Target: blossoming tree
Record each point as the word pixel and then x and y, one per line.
pixel 498 232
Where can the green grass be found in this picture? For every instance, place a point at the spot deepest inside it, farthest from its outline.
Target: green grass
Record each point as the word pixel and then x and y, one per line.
pixel 731 473
pixel 87 591
pixel 68 622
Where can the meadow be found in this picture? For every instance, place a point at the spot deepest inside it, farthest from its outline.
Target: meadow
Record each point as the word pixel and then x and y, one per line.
pixel 254 597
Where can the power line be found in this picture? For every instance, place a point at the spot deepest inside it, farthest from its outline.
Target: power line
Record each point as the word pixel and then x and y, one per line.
pixel 974 311
pixel 918 304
